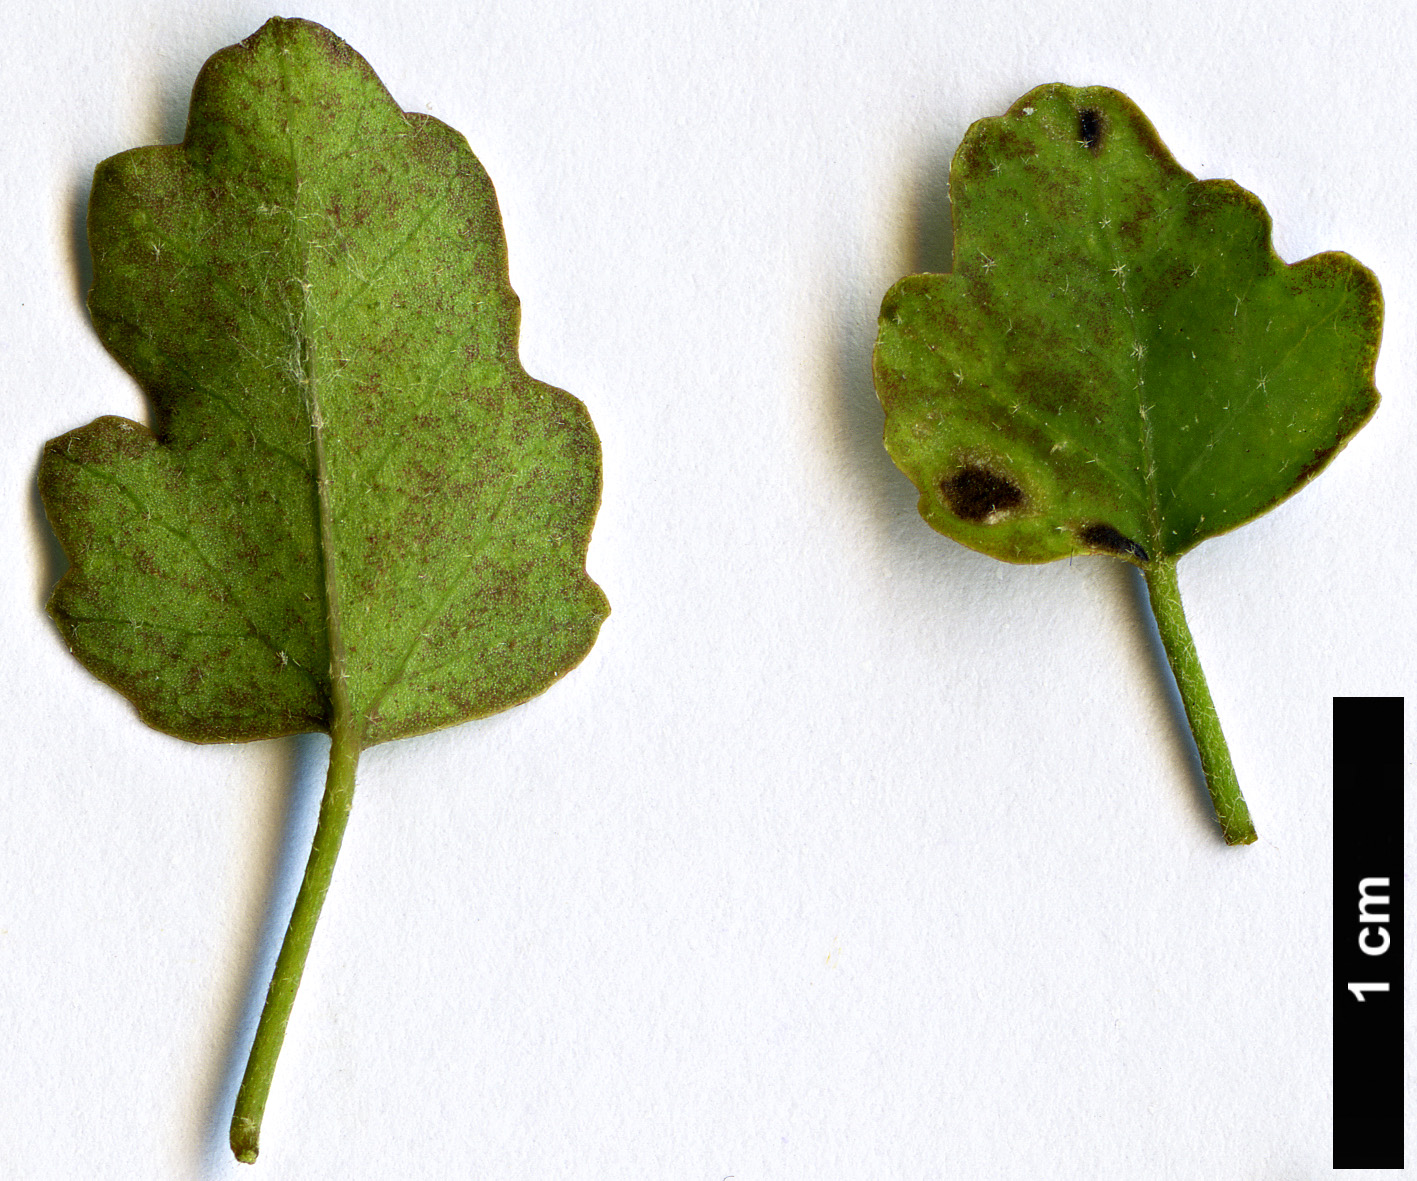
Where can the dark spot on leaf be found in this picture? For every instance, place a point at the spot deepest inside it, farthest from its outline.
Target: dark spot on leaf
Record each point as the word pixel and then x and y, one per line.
pixel 1090 128
pixel 1103 537
pixel 974 493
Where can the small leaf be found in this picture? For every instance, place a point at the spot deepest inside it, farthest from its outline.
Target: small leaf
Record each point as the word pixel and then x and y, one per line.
pixel 356 513
pixel 1119 363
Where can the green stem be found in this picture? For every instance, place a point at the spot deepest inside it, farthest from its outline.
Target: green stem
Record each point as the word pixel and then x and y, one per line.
pixel 290 964
pixel 1225 794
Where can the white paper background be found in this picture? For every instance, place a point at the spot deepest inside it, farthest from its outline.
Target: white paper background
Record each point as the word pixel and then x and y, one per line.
pixel 847 853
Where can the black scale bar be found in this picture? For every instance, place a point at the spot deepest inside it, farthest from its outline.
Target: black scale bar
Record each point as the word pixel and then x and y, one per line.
pixel 1367 933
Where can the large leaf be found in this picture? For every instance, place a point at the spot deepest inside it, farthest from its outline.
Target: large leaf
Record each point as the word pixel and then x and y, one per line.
pixel 351 479
pixel 356 512
pixel 1119 362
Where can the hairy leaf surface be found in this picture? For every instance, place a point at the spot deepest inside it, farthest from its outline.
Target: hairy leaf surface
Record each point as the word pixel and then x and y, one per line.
pixel 1119 362
pixel 352 489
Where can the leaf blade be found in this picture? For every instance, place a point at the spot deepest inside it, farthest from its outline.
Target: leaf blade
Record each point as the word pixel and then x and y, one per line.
pixel 313 290
pixel 1091 324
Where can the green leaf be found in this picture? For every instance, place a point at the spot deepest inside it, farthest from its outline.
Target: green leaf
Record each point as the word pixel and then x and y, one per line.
pixel 1119 362
pixel 356 513
pixel 351 477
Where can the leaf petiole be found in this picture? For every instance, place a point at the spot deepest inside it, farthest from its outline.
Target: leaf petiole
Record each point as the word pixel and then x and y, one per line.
pixel 290 964
pixel 1230 808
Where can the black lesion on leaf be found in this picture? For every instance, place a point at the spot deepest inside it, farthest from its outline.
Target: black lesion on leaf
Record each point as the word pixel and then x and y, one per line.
pixel 1107 539
pixel 975 494
pixel 1090 129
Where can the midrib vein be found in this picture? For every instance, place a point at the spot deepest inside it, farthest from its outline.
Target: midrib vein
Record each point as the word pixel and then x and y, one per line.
pixel 1148 456
pixel 342 719
pixel 339 656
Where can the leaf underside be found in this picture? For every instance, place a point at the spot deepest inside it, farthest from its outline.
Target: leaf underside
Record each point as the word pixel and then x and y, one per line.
pixel 1119 362
pixel 351 485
